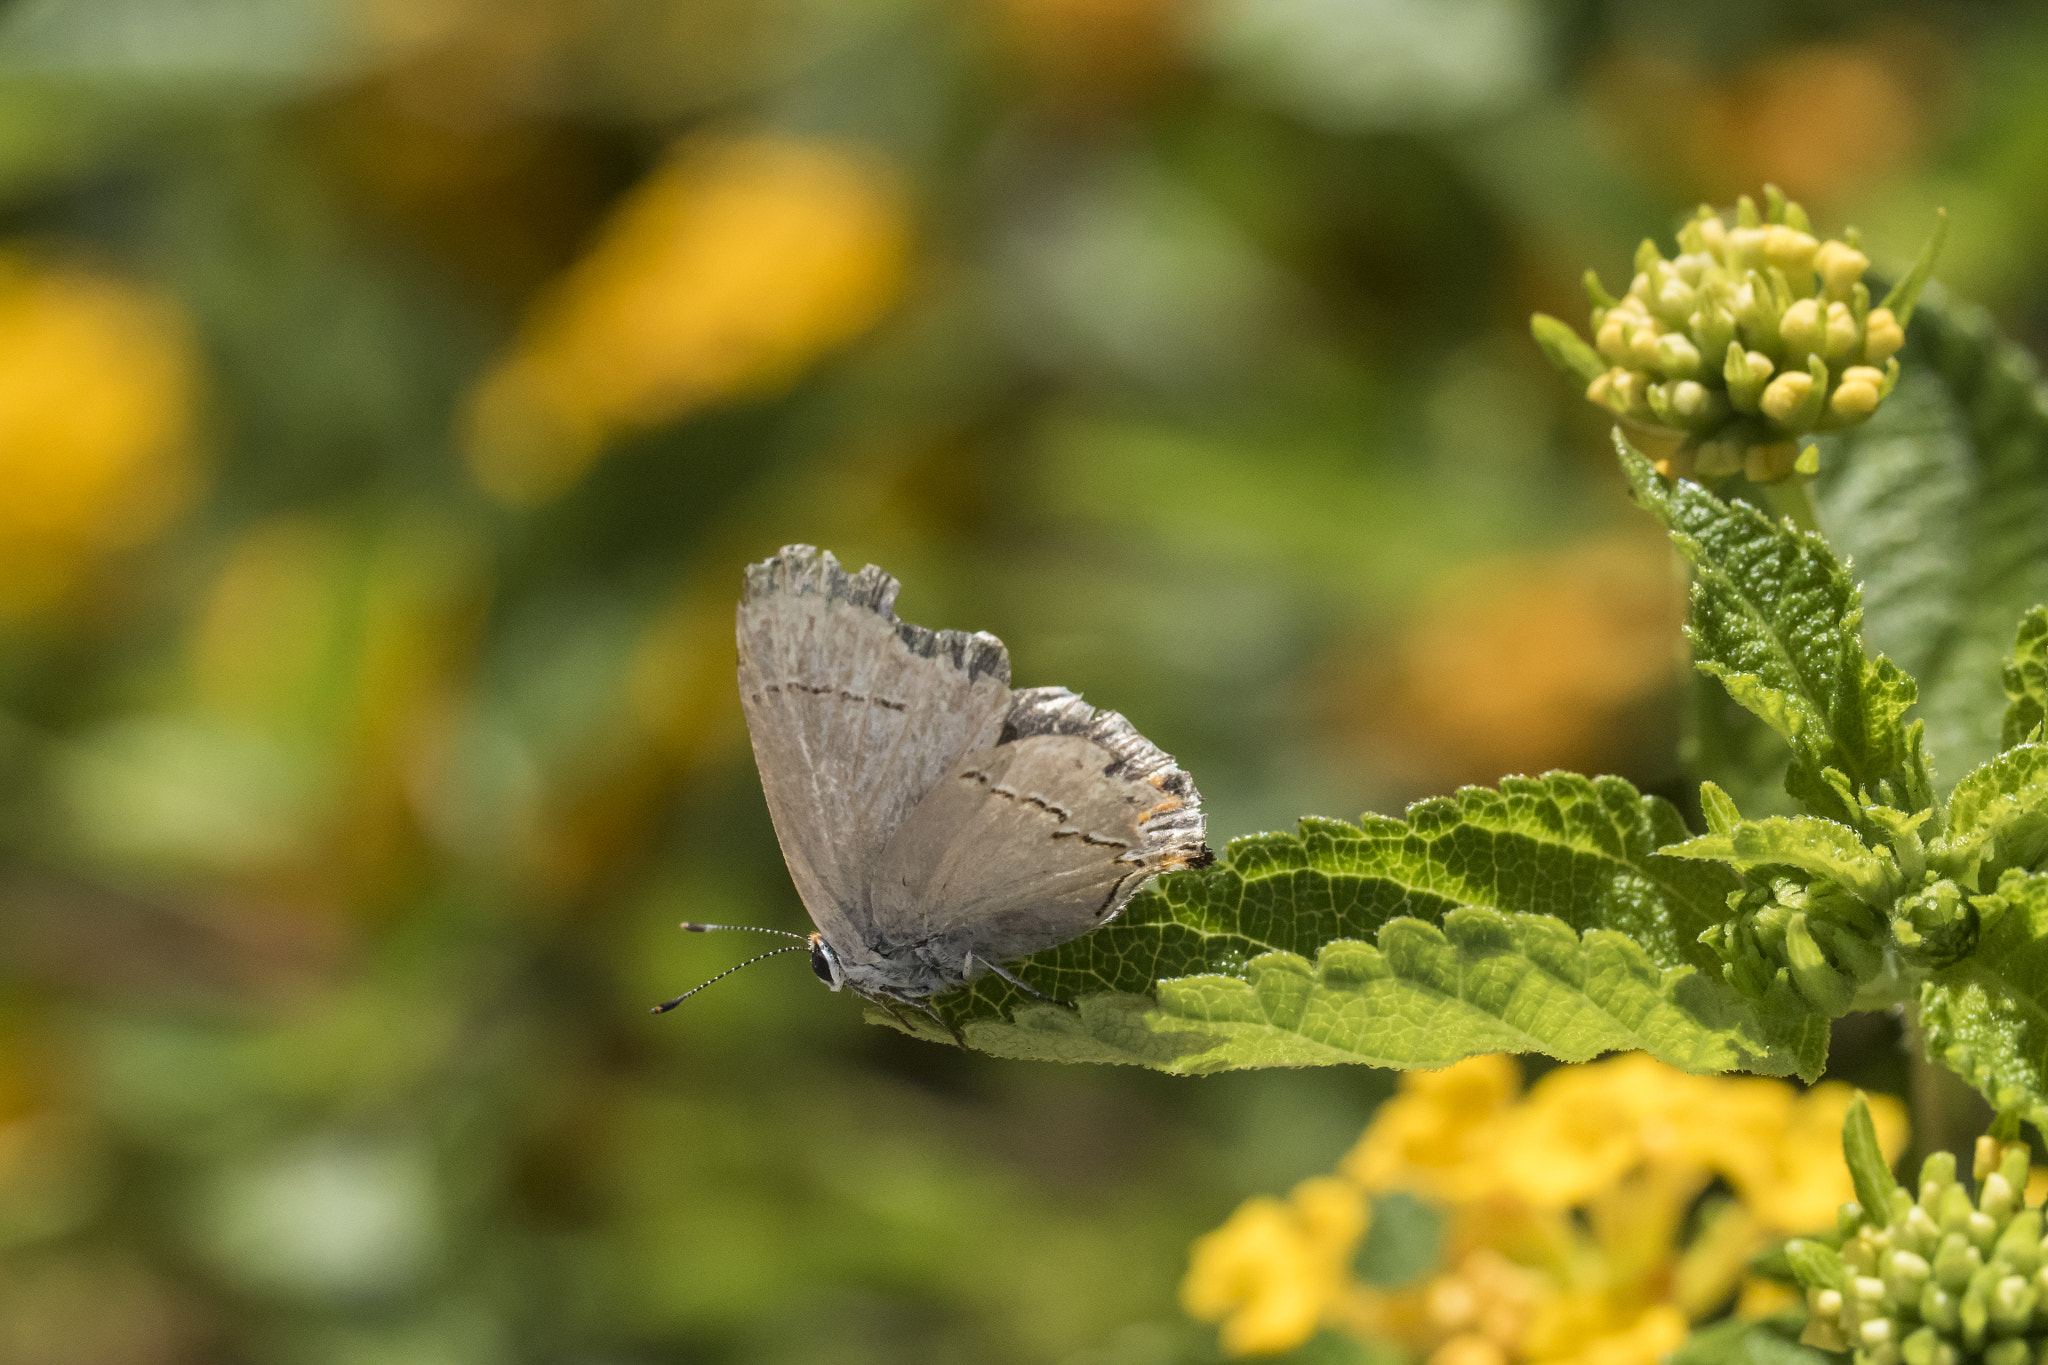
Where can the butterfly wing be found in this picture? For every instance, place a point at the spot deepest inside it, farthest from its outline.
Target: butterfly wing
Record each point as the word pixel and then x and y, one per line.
pixel 854 717
pixel 1038 838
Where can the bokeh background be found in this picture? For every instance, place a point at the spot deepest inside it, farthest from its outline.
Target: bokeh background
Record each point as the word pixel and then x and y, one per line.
pixel 390 394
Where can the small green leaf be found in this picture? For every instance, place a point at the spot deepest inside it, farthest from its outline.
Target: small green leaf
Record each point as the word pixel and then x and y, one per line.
pixel 1868 1170
pixel 1538 917
pixel 1906 292
pixel 1776 618
pixel 1740 1341
pixel 1997 819
pixel 1719 809
pixel 1817 1264
pixel 2026 680
pixel 1566 349
pixel 1822 848
pixel 1986 1017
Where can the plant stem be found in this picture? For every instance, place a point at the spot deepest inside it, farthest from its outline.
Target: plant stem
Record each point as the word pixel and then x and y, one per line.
pixel 1789 498
pixel 1947 1113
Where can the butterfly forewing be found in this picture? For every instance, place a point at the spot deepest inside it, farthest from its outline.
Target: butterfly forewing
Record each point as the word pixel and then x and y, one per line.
pixel 854 717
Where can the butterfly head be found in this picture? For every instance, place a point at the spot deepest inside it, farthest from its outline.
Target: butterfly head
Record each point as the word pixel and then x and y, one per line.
pixel 825 963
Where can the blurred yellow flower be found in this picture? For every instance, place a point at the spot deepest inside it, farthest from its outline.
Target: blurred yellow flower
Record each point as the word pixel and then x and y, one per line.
pixel 97 393
pixel 1567 1211
pixel 727 272
pixel 1267 1274
pixel 1523 663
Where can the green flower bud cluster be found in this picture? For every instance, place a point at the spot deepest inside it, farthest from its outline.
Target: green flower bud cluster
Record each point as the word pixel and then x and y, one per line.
pixel 1820 941
pixel 1937 1279
pixel 1936 925
pixel 1752 336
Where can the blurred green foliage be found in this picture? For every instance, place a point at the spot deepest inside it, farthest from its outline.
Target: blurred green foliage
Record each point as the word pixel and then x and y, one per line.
pixel 390 393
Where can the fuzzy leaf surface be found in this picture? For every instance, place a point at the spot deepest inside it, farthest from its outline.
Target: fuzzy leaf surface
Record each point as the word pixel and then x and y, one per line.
pixel 2026 680
pixel 1941 501
pixel 1533 918
pixel 1986 1017
pixel 1820 847
pixel 1997 819
pixel 1775 617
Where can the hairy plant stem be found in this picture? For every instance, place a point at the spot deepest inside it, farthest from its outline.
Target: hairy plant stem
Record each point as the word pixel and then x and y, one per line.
pixel 1790 499
pixel 1948 1113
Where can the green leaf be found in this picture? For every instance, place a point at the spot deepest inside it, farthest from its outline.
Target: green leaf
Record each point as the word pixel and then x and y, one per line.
pixel 2026 680
pixel 1820 847
pixel 1906 293
pixel 1566 349
pixel 1775 617
pixel 1739 753
pixel 1533 918
pixel 1986 1017
pixel 1738 1341
pixel 1868 1170
pixel 1997 819
pixel 1941 501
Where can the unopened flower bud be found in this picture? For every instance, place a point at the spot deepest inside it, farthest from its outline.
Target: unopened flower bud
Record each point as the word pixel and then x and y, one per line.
pixel 1858 394
pixel 1955 1261
pixel 1882 336
pixel 1746 245
pixel 2019 1246
pixel 1802 328
pixel 1937 1173
pixel 1840 266
pixel 1939 1308
pixel 1995 1197
pixel 1774 463
pixel 2012 1304
pixel 1674 298
pixel 1789 249
pixel 1611 339
pixel 1746 373
pixel 1695 403
pixel 1955 1209
pixel 1677 356
pixel 1785 395
pixel 1905 1276
pixel 1642 347
pixel 1840 332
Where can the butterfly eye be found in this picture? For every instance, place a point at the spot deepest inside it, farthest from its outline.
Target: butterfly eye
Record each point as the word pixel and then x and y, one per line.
pixel 824 963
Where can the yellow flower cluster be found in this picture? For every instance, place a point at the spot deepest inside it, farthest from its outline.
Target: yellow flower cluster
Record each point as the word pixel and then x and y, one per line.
pixel 97 396
pixel 726 273
pixel 1566 1209
pixel 1754 335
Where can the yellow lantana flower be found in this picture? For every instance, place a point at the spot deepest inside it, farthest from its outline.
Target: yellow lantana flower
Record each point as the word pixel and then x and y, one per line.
pixel 1567 1210
pixel 97 393
pixel 1268 1274
pixel 727 272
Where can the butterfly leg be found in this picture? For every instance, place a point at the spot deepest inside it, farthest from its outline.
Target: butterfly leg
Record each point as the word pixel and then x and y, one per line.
pixel 1019 983
pixel 889 1003
pixel 944 1023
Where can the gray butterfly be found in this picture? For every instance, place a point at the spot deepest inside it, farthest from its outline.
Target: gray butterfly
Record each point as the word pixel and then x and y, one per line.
pixel 936 823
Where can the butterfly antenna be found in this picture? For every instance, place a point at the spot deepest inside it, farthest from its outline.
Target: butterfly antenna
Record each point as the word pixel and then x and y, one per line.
pixel 697 928
pixel 666 1006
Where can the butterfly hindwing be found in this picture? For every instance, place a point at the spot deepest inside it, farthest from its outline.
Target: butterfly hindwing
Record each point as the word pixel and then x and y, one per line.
pixel 1038 838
